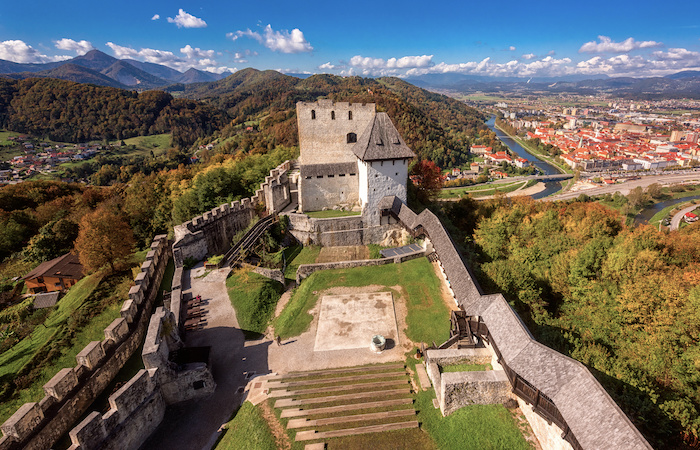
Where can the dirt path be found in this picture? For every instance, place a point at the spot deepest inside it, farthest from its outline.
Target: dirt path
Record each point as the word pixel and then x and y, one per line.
pixel 444 289
pixel 281 437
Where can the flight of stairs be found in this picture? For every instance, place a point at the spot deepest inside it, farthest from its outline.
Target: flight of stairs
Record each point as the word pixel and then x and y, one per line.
pixel 332 403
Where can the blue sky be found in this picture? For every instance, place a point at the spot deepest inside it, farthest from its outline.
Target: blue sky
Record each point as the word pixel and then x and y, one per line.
pixel 371 38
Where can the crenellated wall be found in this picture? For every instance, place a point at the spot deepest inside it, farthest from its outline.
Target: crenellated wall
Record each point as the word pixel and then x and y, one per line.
pixel 72 390
pixel 212 232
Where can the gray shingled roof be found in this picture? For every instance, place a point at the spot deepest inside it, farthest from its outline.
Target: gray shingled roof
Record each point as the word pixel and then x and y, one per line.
pixel 594 418
pixel 312 170
pixel 46 300
pixel 381 140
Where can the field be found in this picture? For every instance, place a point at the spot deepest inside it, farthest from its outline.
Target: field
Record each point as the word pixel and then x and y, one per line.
pixel 427 317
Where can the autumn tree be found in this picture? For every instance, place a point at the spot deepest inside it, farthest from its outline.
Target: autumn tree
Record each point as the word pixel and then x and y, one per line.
pixel 104 238
pixel 427 178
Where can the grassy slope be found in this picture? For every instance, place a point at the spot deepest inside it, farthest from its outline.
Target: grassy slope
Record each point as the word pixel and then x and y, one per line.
pixel 20 354
pixel 247 430
pixel 254 298
pixel 473 427
pixel 331 213
pixel 298 255
pixel 428 316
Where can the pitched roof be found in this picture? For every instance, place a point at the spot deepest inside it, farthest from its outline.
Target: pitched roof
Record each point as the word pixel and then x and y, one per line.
pixel 46 300
pixel 66 266
pixel 381 140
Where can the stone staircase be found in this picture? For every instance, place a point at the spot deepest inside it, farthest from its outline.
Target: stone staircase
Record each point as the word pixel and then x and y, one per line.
pixel 332 403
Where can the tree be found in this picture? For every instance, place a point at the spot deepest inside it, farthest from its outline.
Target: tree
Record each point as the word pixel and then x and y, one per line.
pixel 427 177
pixel 104 238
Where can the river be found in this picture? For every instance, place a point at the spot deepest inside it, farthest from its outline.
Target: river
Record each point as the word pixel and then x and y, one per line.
pixel 544 167
pixel 646 215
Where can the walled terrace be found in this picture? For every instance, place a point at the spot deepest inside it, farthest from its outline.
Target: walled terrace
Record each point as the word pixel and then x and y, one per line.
pixel 72 390
pixel 560 389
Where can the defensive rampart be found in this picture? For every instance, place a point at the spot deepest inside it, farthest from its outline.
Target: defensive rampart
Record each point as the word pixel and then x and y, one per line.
pixel 212 232
pixel 559 388
pixel 341 231
pixel 72 390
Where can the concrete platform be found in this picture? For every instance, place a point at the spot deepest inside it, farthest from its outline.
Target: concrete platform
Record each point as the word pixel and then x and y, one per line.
pixel 349 321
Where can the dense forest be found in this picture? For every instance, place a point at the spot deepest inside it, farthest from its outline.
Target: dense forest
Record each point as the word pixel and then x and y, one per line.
pixel 624 301
pixel 65 111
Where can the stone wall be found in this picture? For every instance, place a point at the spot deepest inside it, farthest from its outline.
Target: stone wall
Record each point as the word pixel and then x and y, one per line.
pixel 212 232
pixel 481 387
pixel 342 231
pixel 547 433
pixel 72 390
pixel 305 270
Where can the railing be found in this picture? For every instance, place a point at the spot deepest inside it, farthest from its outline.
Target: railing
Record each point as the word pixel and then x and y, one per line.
pixel 541 404
pixel 233 255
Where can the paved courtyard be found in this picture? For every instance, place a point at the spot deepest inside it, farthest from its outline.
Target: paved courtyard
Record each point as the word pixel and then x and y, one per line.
pixel 349 321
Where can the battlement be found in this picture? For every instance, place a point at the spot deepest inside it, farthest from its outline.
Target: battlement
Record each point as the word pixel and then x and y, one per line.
pixel 71 391
pixel 212 232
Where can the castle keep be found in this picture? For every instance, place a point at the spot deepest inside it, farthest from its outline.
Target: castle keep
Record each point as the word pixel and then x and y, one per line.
pixel 350 157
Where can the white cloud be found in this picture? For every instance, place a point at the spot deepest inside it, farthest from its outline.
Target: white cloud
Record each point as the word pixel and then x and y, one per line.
pixel 278 41
pixel 193 57
pixel 79 47
pixel 20 52
pixel 326 66
pixel 186 20
pixel 193 53
pixel 529 56
pixel 511 48
pixel 155 17
pixel 607 45
pixel 391 66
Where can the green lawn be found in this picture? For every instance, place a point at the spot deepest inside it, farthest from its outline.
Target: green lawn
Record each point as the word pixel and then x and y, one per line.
pixel 331 213
pixel 477 427
pixel 156 141
pixel 298 255
pixel 428 316
pixel 482 190
pixel 254 297
pixel 247 430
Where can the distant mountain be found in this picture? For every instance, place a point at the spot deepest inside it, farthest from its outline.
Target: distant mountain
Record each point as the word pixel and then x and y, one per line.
pixel 70 72
pixel 158 70
pixel 95 60
pixel 195 76
pixel 129 75
pixel 684 74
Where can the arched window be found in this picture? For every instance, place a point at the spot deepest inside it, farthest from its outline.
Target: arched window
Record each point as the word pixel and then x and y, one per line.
pixel 313 114
pixel 352 137
pixel 349 115
pixel 332 115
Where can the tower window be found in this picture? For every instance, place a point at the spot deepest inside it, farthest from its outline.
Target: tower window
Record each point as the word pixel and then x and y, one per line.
pixel 332 115
pixel 351 137
pixel 349 115
pixel 313 114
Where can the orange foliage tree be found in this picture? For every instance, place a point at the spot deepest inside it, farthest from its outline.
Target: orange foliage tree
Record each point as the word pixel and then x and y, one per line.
pixel 104 238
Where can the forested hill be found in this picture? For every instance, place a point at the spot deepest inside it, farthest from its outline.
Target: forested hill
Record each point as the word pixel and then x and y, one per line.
pixel 74 112
pixel 435 126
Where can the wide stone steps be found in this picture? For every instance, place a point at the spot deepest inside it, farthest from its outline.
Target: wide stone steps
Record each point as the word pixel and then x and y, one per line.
pixel 287 402
pixel 286 413
pixel 283 384
pixel 388 367
pixel 345 401
pixel 304 423
pixel 313 435
pixel 344 387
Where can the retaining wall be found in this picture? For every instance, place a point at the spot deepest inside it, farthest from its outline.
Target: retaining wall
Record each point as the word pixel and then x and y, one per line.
pixel 342 231
pixel 212 232
pixel 305 270
pixel 72 390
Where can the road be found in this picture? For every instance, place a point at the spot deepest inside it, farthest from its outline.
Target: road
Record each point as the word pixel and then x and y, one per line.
pixel 676 221
pixel 627 186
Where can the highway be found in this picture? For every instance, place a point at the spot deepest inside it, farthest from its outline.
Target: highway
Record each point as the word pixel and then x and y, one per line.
pixel 626 187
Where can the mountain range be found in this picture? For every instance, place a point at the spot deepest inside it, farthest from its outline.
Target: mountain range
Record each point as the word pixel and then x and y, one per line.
pixel 98 68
